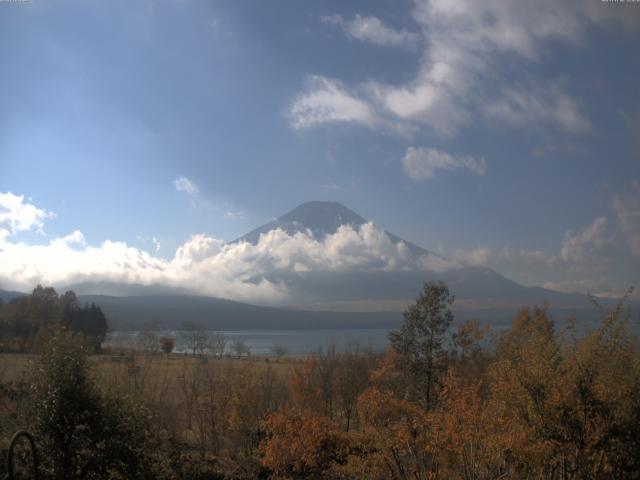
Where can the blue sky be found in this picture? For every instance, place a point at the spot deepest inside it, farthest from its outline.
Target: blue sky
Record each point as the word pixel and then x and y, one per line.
pixel 499 133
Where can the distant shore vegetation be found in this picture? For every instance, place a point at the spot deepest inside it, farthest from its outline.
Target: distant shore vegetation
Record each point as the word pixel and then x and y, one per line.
pixel 444 401
pixel 27 322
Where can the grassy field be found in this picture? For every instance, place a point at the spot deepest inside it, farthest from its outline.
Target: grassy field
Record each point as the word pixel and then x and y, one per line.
pixel 212 405
pixel 134 364
pixel 184 392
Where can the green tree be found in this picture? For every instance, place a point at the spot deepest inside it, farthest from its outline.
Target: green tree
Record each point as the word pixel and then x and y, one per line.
pixel 82 433
pixel 419 341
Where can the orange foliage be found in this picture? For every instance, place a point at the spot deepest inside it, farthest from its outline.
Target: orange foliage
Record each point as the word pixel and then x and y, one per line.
pixel 305 386
pixel 396 439
pixel 301 443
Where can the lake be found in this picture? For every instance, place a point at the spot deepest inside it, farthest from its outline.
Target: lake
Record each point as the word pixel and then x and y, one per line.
pixel 262 342
pixel 303 342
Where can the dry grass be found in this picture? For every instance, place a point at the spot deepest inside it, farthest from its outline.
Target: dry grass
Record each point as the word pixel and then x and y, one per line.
pixel 183 391
pixel 122 365
pixel 13 366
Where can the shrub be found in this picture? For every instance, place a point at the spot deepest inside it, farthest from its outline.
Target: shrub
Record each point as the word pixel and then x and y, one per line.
pixel 82 433
pixel 167 344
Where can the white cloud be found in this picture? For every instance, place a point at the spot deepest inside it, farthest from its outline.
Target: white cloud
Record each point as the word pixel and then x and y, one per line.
pixel 74 238
pixel 467 41
pixel 539 106
pixel 235 215
pixel 610 238
pixel 208 265
pixel 599 287
pixel 422 163
pixel 156 244
pixel 17 215
pixel 373 30
pixel 585 248
pixel 463 73
pixel 326 100
pixel 585 261
pixel 479 256
pixel 523 259
pixel 603 257
pixel 184 185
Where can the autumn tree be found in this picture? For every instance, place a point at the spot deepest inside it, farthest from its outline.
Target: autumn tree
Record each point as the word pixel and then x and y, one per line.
pixel 474 441
pixel 567 408
pixel 301 444
pixel 396 440
pixel 352 378
pixel 306 388
pixel 167 344
pixel 421 337
pixel 468 337
pixel 470 358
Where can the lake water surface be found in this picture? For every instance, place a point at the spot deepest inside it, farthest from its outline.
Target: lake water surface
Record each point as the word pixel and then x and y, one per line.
pixel 262 342
pixel 303 342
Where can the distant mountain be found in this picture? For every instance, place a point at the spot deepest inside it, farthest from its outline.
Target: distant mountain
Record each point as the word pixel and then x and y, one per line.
pixel 476 284
pixel 7 295
pixel 320 219
pixel 171 311
pixel 118 289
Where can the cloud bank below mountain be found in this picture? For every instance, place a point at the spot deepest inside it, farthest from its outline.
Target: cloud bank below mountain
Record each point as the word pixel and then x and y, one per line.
pixel 273 268
pixel 203 264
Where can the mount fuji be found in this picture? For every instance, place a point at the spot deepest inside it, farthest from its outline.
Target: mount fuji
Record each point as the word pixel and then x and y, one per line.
pixel 475 287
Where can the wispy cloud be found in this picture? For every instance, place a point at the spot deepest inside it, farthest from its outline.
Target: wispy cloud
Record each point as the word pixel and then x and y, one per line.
pixel 184 185
pixel 539 105
pixel 475 256
pixel 602 257
pixel 235 215
pixel 326 100
pixel 584 249
pixel 373 30
pixel 156 244
pixel 422 163
pixel 460 78
pixel 331 187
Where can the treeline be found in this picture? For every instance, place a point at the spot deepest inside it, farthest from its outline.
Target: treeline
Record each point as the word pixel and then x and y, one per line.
pixel 529 403
pixel 26 322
